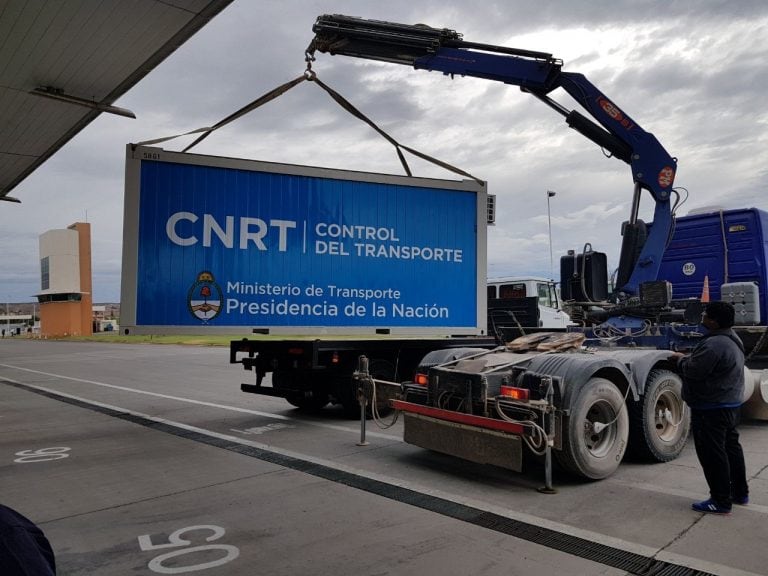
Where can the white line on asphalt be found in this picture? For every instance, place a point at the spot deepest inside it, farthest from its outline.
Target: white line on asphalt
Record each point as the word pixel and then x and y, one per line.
pixel 752 507
pixel 596 537
pixel 210 404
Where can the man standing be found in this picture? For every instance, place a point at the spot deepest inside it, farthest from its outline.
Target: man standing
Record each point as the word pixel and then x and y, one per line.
pixel 713 387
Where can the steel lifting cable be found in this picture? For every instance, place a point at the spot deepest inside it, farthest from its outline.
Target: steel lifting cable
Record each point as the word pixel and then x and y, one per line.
pixel 271 95
pixel 311 76
pixel 344 103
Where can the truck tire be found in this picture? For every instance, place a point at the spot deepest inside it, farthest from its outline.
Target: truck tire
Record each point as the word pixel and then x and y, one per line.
pixel 659 421
pixel 310 400
pixel 590 454
pixel 309 403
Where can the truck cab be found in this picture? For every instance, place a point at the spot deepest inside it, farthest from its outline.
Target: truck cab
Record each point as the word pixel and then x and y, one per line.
pixel 550 312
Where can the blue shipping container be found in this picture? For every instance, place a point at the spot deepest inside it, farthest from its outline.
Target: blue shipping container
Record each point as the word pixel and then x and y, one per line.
pixel 280 246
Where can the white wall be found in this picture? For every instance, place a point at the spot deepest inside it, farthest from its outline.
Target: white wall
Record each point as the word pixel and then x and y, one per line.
pixel 62 249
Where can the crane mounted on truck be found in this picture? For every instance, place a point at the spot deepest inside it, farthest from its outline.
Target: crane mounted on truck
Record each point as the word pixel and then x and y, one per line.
pixel 538 74
pixel 590 404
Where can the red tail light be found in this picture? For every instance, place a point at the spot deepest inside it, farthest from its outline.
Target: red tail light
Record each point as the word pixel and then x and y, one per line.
pixel 515 393
pixel 335 358
pixel 421 379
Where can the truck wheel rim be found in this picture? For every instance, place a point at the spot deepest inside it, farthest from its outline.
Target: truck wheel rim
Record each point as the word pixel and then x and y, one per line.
pixel 599 444
pixel 666 425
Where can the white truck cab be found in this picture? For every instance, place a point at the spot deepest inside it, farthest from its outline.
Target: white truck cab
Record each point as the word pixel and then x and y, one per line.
pixel 551 314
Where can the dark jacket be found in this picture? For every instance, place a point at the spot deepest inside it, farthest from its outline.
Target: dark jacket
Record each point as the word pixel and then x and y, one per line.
pixel 713 373
pixel 24 549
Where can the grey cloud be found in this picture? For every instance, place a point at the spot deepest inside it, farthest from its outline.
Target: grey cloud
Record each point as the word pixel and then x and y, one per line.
pixel 704 110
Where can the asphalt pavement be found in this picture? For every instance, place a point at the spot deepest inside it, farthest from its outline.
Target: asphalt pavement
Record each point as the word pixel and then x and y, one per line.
pixel 147 459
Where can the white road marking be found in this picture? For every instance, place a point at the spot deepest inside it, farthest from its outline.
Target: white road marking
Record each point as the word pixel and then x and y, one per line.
pixel 685 494
pixel 263 429
pixel 596 537
pixel 209 404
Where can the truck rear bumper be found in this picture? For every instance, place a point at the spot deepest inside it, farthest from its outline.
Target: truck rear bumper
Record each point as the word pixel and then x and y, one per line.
pixel 263 390
pixel 453 435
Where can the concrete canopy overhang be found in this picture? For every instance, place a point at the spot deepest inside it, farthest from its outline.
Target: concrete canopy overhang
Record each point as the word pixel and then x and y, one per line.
pixel 64 63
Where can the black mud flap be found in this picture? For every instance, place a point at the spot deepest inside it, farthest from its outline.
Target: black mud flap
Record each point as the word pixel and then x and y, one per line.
pixel 467 442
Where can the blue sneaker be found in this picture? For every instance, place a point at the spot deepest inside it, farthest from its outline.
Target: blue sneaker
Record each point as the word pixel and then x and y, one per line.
pixel 711 507
pixel 740 500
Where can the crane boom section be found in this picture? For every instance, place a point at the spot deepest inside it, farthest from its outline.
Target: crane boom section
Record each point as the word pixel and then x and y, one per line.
pixel 537 73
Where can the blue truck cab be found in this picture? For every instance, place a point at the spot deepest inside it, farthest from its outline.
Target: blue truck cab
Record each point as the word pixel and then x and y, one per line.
pixel 722 248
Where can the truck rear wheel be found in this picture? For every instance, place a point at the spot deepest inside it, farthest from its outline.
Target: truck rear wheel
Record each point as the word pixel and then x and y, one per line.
pixel 311 400
pixel 659 420
pixel 589 449
pixel 310 403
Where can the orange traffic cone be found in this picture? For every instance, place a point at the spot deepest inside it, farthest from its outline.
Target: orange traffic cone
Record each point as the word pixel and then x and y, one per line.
pixel 705 290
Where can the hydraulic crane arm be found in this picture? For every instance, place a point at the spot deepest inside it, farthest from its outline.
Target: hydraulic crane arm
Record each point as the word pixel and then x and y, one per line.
pixel 537 73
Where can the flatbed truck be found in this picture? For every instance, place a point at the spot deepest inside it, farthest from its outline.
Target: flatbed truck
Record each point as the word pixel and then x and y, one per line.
pixel 604 388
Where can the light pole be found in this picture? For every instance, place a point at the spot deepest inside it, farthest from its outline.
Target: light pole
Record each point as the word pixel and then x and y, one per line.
pixel 550 193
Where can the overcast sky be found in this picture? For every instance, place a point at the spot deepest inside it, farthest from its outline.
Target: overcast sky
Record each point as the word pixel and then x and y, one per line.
pixel 694 73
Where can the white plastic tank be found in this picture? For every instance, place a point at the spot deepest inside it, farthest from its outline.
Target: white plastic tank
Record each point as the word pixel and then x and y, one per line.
pixel 755 395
